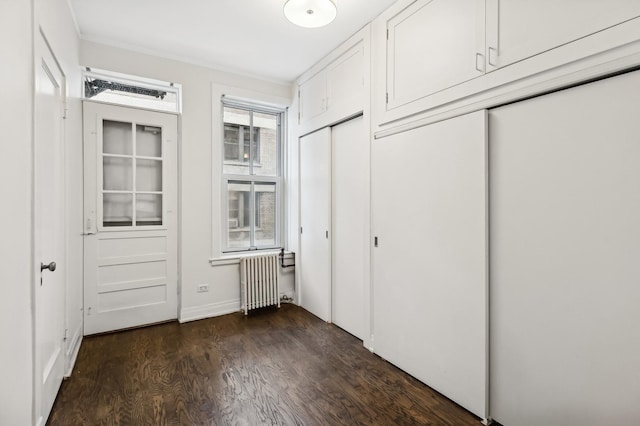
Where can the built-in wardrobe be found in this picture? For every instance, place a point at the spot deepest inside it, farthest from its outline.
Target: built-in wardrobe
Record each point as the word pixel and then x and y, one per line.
pixel 505 263
pixel 504 203
pixel 334 222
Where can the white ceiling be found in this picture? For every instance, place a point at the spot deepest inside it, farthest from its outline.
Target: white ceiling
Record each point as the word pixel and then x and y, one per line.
pixel 250 37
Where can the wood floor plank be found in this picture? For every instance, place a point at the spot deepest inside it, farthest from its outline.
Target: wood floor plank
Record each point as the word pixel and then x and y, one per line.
pixel 275 367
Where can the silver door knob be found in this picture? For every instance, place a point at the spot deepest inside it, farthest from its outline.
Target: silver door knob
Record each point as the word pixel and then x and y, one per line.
pixel 51 266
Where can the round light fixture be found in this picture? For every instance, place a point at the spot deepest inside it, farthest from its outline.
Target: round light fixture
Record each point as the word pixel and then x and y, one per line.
pixel 310 13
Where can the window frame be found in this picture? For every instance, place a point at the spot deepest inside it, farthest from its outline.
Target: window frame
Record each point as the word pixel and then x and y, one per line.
pixel 253 179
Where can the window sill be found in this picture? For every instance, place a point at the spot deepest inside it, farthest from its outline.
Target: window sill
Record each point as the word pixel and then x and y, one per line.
pixel 235 258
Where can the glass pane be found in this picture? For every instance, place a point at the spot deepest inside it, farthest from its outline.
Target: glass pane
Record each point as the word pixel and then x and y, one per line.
pixel 265 204
pixel 237 124
pixel 148 141
pixel 148 209
pixel 117 174
pixel 231 144
pixel 238 213
pixel 116 138
pixel 117 209
pixel 265 146
pixel 148 175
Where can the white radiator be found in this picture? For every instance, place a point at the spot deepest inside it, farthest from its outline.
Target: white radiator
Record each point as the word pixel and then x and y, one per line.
pixel 259 277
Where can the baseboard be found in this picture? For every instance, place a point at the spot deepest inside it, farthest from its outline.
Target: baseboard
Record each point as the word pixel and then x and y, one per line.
pixel 209 310
pixel 72 352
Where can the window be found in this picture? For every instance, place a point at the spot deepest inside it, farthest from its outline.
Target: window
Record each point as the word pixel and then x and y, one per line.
pixel 115 88
pixel 252 159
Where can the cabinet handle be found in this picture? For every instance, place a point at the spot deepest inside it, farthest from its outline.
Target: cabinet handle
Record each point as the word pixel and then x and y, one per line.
pixel 493 49
pixel 481 56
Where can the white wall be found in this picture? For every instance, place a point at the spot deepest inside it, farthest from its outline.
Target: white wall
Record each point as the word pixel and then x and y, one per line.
pixel 200 185
pixel 19 19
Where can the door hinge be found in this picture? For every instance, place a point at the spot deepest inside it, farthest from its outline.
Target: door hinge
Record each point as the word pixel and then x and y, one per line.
pixel 326 234
pixel 66 334
pixel 387 97
pixel 375 241
pixel 301 230
pixel 387 33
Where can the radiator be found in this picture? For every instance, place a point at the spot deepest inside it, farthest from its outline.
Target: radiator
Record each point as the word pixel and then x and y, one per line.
pixel 259 282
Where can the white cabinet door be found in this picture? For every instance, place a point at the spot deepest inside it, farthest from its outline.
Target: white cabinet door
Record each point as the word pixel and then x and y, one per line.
pixel 518 29
pixel 429 217
pixel 335 91
pixel 313 97
pixel 350 225
pixel 565 238
pixel 345 79
pixel 433 45
pixel 315 216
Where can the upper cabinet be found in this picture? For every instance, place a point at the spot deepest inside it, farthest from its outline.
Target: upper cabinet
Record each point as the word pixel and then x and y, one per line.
pixel 519 29
pixel 431 58
pixel 433 45
pixel 334 89
pixel 313 97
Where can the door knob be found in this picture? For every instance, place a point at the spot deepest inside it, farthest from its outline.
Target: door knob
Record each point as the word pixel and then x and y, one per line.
pixel 51 266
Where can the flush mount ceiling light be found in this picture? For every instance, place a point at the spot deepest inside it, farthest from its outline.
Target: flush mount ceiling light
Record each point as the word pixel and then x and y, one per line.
pixel 310 13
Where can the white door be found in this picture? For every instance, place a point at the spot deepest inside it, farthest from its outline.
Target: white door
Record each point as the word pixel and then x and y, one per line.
pixel 130 217
pixel 429 216
pixel 349 224
pixel 315 216
pixel 565 238
pixel 49 231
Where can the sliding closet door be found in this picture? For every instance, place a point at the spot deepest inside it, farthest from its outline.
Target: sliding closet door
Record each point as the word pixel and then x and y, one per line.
pixel 350 224
pixel 315 218
pixel 430 263
pixel 565 257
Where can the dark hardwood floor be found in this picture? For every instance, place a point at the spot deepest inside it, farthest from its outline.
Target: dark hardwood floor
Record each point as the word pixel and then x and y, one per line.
pixel 275 367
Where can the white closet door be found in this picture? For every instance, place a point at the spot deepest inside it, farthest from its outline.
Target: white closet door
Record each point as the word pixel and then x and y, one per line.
pixel 430 265
pixel 350 224
pixel 315 216
pixel 565 239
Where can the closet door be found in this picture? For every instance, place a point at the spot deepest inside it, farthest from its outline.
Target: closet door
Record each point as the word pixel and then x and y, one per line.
pixel 429 217
pixel 315 217
pixel 565 238
pixel 350 224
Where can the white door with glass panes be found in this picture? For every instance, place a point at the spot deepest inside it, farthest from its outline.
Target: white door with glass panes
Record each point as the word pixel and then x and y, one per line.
pixel 130 226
